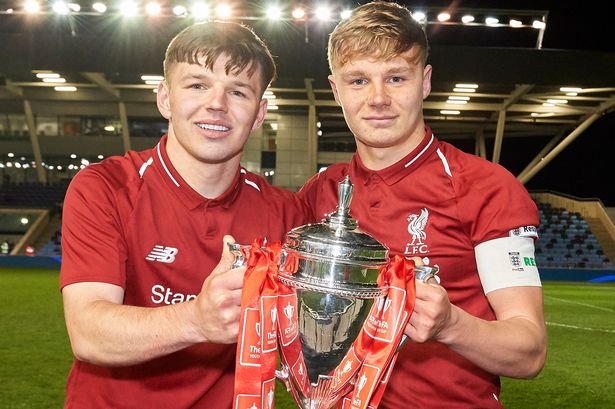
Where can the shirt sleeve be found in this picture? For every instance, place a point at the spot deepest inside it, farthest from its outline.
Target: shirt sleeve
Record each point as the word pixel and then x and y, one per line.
pixel 492 202
pixel 93 244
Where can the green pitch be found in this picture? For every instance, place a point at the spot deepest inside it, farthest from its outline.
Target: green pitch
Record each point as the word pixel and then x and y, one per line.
pixel 35 354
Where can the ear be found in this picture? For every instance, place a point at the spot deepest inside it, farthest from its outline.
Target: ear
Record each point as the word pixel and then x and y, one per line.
pixel 426 80
pixel 334 88
pixel 261 114
pixel 163 100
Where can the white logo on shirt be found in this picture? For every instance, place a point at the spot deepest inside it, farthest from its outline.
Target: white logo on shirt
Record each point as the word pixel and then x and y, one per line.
pixel 416 228
pixel 162 254
pixel 525 231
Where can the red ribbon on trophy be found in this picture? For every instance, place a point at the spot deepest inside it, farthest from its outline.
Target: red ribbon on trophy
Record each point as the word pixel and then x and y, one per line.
pixel 268 307
pixel 376 348
pixel 257 344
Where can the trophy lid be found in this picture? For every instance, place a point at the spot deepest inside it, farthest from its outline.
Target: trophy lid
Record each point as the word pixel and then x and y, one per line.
pixel 338 237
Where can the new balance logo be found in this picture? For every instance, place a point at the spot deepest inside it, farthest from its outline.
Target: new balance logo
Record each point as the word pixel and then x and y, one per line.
pixel 162 254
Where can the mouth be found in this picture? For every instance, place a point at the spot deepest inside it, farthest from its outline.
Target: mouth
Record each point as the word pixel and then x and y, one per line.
pixel 380 121
pixel 212 127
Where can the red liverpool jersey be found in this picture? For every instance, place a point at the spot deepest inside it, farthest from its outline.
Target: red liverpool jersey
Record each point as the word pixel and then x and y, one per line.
pixel 134 222
pixel 437 203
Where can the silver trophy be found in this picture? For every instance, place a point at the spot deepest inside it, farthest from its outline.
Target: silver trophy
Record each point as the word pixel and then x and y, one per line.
pixel 329 271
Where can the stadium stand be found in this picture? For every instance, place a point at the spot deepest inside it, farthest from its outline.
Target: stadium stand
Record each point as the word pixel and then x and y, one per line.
pixel 566 241
pixel 54 246
pixel 33 194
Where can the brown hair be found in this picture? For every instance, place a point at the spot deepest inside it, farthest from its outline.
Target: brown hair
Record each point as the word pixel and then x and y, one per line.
pixel 380 30
pixel 209 40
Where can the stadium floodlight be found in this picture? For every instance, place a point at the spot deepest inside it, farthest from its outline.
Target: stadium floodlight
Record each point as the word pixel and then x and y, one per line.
pixel 100 157
pixel 199 11
pixel 515 23
pixel 99 7
pixel 180 10
pixel 419 16
pixel 456 102
pixel 345 14
pixel 74 7
pixel 557 101
pixel 129 8
pixel 449 112
pixel 274 13
pixel 469 90
pixel 152 82
pixel 467 19
pixel 491 21
pixel 31 6
pixel 73 156
pixel 539 25
pixel 442 17
pixel 65 89
pixel 24 220
pixel 571 89
pixel 152 8
pixel 298 13
pixel 323 13
pixel 458 98
pixel 146 77
pixel 224 11
pixel 47 75
pixel 60 7
pixel 10 155
pixel 58 80
pixel 461 85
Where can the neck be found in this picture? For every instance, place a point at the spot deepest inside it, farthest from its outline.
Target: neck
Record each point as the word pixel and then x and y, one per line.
pixel 210 180
pixel 377 158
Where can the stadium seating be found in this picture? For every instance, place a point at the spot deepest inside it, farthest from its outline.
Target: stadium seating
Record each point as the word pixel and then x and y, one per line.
pixel 33 194
pixel 54 246
pixel 567 242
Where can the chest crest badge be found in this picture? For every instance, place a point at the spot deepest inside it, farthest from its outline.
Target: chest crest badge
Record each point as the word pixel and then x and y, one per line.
pixel 416 229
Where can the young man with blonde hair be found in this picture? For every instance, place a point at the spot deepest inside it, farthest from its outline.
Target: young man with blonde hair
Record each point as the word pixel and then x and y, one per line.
pixel 152 311
pixel 427 200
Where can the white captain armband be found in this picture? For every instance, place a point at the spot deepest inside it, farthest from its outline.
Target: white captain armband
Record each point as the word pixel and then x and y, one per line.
pixel 507 262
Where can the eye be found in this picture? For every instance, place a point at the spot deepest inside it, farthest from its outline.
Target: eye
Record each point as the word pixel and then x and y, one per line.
pixel 197 86
pixel 238 93
pixel 397 79
pixel 359 81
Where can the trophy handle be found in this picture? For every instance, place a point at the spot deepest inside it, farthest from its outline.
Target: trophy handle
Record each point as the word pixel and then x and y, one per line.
pixel 241 253
pixel 422 273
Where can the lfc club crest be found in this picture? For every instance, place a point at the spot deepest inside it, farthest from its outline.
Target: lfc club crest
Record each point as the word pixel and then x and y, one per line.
pixel 416 228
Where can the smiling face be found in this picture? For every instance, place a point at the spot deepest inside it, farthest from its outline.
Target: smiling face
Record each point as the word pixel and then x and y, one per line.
pixel 211 112
pixel 383 105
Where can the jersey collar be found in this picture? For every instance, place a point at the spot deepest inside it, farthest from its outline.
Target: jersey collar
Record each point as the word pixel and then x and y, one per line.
pixel 394 173
pixel 187 195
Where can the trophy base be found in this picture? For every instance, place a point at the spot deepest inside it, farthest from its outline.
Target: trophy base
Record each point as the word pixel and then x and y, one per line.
pixel 320 395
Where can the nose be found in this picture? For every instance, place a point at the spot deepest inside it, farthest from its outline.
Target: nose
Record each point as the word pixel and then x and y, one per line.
pixel 216 99
pixel 378 95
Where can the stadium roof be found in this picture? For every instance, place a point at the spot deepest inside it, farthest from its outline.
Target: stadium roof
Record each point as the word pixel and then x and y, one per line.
pixel 519 72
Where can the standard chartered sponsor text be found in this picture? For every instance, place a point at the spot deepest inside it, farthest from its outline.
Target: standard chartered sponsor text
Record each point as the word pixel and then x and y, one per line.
pixel 164 295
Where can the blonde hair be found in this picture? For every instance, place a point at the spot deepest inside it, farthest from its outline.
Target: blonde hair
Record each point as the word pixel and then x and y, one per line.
pixel 379 30
pixel 205 42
